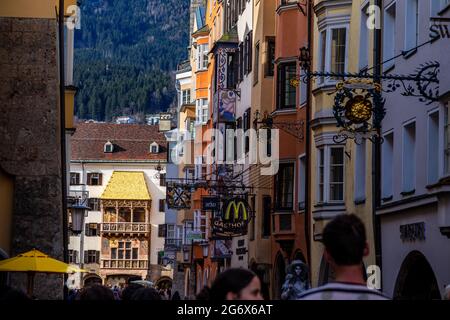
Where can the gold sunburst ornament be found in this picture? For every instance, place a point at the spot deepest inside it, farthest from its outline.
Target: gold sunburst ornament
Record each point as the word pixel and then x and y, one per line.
pixel 358 109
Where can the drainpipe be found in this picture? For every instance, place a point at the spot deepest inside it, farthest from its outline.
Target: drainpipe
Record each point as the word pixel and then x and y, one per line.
pixel 308 219
pixel 376 148
pixel 62 115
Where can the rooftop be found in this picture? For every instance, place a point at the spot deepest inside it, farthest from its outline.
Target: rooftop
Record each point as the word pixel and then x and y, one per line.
pixel 126 185
pixel 130 141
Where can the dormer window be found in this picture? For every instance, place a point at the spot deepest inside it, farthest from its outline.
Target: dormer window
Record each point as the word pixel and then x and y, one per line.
pixel 154 148
pixel 109 147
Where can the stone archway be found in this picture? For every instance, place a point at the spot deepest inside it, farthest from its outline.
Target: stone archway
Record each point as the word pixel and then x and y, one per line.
pixel 164 283
pixel 279 275
pixel 416 279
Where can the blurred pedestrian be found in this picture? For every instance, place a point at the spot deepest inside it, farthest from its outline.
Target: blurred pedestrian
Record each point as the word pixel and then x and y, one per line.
pixel 235 284
pixel 176 296
pixel 345 244
pixel 95 292
pixel 9 294
pixel 128 292
pixel 146 294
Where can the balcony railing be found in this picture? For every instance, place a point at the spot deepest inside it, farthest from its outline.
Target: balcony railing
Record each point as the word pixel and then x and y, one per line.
pixel 124 264
pixel 125 227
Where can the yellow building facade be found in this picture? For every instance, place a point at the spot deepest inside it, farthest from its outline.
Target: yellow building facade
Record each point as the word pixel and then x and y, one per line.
pixel 341 180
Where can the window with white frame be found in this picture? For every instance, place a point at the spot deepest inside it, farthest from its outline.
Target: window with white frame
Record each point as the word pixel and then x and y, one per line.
pixel 437 6
pixel 323 53
pixel 202 57
pixel 186 96
pixel 301 182
pixel 171 229
pixel 433 147
pixel 387 157
pixel 409 157
pixel 389 35
pixel 411 24
pixel 364 39
pixel 198 167
pixel 202 113
pixel 333 44
pixel 330 174
pixel 190 174
pixel 154 147
pixel 360 172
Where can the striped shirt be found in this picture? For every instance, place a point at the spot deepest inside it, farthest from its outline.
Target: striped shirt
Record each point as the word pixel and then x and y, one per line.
pixel 343 291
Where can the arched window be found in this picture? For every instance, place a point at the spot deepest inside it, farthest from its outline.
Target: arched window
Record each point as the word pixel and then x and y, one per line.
pixel 109 147
pixel 154 148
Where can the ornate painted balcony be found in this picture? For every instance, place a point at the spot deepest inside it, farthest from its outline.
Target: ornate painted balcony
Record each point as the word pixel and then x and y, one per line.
pixel 117 228
pixel 124 264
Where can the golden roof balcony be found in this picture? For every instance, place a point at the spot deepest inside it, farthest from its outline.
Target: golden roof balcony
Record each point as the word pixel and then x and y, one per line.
pixel 124 264
pixel 125 228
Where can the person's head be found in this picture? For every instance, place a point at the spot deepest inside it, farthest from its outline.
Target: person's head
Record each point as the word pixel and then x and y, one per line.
pixel 298 270
pixel 133 278
pixel 95 292
pixel 345 241
pixel 129 291
pixel 145 294
pixel 236 284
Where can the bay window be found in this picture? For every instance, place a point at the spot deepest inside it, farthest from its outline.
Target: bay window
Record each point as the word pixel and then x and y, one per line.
pixel 330 174
pixel 202 57
pixel 284 187
pixel 286 93
pixel 186 96
pixel 202 113
pixel 333 44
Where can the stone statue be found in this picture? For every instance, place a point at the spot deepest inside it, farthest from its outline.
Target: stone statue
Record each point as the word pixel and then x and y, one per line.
pixel 297 281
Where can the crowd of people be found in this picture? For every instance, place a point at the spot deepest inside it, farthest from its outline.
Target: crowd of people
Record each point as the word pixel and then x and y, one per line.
pixel 345 243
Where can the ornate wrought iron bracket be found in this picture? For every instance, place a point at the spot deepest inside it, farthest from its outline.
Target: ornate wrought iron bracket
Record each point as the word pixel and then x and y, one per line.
pixel 423 83
pixel 294 128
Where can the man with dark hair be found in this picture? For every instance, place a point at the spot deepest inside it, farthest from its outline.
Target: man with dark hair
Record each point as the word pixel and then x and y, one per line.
pixel 345 244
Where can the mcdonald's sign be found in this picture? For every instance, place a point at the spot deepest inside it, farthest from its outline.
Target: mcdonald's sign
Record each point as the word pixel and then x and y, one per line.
pixel 236 209
pixel 234 219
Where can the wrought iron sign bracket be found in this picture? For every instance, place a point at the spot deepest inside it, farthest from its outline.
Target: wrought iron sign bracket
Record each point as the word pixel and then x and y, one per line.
pixel 294 128
pixel 358 102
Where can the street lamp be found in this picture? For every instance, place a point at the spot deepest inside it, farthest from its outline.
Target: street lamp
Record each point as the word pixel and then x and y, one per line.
pixel 186 255
pixel 78 211
pixel 205 249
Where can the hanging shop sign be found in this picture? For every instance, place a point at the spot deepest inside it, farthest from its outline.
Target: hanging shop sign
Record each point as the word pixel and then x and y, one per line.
pixel 210 203
pixel 222 249
pixel 412 232
pixel 178 196
pixel 192 235
pixel 234 219
pixel 354 111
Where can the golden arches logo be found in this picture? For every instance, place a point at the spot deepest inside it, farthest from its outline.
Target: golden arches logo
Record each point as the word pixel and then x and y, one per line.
pixel 236 209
